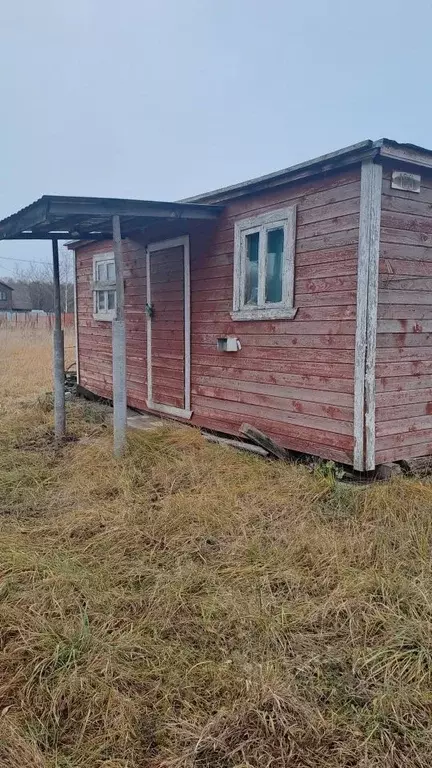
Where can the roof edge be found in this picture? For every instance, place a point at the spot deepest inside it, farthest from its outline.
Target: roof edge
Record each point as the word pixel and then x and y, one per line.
pixel 341 157
pixel 385 148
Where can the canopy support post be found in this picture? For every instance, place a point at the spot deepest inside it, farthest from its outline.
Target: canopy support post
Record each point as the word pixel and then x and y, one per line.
pixel 58 350
pixel 119 347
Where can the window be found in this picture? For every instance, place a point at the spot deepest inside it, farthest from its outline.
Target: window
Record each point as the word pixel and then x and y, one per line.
pixel 104 286
pixel 3 296
pixel 264 249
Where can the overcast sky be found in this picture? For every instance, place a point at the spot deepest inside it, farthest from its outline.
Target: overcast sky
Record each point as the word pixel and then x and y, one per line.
pixel 160 99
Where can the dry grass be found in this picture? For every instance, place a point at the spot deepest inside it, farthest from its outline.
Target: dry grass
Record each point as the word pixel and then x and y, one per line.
pixel 191 606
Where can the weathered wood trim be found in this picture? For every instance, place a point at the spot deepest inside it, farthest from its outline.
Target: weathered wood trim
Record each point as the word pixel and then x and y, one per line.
pixel 264 314
pixel 163 245
pixel 170 410
pixel 360 341
pixel 367 288
pixel 286 218
pixel 372 311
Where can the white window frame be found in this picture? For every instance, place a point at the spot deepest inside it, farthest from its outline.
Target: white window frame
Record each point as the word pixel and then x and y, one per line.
pixel 3 296
pixel 283 218
pixel 103 286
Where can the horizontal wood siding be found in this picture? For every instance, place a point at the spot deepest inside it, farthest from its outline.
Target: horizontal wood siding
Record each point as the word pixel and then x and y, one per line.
pixel 94 336
pixel 292 378
pixel 404 338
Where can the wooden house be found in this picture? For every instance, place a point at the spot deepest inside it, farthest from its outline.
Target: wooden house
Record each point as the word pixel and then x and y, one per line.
pixel 304 308
pixel 5 297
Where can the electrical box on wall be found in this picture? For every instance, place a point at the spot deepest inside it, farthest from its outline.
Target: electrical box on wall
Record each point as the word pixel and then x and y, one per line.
pixel 228 344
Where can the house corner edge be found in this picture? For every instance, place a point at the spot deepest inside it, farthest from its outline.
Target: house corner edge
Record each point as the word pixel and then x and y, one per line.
pixel 366 315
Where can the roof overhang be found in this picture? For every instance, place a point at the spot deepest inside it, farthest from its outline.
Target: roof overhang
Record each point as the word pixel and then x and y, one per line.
pixel 54 217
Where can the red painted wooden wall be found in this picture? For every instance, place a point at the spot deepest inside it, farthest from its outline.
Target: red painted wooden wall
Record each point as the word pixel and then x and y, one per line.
pixel 404 339
pixel 292 378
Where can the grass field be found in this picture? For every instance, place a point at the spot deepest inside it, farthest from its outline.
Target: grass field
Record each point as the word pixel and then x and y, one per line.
pixel 193 606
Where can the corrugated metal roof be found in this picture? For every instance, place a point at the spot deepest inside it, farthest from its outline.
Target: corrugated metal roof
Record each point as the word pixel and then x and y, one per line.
pixel 59 217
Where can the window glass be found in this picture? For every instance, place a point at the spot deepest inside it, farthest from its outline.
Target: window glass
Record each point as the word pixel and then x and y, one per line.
pixel 100 300
pixel 275 247
pixel 251 268
pixel 101 271
pixel 110 270
pixel 111 299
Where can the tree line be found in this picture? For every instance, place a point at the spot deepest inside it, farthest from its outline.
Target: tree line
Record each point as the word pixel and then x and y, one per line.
pixel 34 282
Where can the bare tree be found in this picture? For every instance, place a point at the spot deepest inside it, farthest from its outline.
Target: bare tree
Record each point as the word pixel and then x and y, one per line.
pixel 38 278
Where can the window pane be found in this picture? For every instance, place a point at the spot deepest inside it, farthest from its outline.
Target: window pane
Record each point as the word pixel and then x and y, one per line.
pixel 111 270
pixel 100 300
pixel 111 299
pixel 275 247
pixel 251 269
pixel 101 271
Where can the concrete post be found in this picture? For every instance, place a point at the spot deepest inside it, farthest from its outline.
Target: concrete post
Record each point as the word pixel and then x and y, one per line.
pixel 119 348
pixel 58 353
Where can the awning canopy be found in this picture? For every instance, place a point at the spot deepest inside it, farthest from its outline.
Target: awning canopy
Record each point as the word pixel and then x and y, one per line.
pixel 54 217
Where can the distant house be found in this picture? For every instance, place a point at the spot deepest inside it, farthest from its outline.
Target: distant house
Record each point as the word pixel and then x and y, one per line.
pixel 16 299
pixel 5 297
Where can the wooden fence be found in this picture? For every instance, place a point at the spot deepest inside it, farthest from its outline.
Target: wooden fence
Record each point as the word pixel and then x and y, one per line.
pixel 33 320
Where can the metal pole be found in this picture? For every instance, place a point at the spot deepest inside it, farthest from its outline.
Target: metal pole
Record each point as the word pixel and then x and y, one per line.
pixel 119 347
pixel 58 348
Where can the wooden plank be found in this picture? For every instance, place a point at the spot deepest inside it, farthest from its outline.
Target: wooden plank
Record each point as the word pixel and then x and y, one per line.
pixel 404 452
pixel 302 395
pixel 402 397
pixel 262 421
pixel 238 444
pixel 372 308
pixel 204 346
pixel 406 237
pixel 399 383
pixel 408 283
pixel 334 239
pixel 404 205
pixel 325 256
pixel 276 377
pixel 404 411
pixel 388 354
pixel 404 326
pixel 405 258
pixel 302 368
pixel 392 296
pixel 401 340
pixel 264 441
pixel 403 426
pixel 327 270
pixel 268 401
pixel 413 368
pixel 334 299
pixel 407 222
pixel 405 312
pixel 361 320
pixel 281 416
pixel 343 455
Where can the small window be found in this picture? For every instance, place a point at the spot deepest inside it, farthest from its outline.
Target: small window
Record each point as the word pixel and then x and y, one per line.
pixel 104 286
pixel 264 266
pixel 3 295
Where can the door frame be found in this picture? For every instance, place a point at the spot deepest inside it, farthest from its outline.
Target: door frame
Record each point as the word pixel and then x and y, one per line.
pixel 171 410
